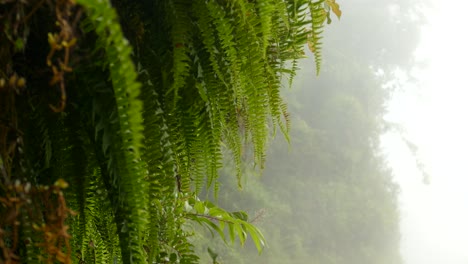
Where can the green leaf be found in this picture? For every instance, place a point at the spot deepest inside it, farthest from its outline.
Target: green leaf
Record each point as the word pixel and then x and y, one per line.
pixel 240 233
pixel 199 207
pixel 232 233
pixel 241 215
pixel 213 226
pixel 257 237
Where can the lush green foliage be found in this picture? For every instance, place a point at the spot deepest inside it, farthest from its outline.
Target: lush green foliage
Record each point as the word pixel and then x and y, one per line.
pixel 129 106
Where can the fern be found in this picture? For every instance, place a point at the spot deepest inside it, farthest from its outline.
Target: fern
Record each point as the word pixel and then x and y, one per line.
pixel 224 31
pixel 180 21
pixel 265 10
pixel 132 197
pixel 144 133
pixel 318 15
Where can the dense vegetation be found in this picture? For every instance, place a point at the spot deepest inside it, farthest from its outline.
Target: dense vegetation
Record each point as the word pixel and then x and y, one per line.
pixel 114 116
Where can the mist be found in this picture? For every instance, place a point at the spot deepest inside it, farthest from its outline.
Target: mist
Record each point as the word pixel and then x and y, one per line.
pixel 248 131
pixel 430 108
pixel 374 170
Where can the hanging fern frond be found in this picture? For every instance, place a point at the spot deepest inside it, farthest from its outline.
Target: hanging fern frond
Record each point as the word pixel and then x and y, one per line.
pixel 129 180
pixel 314 42
pixel 265 11
pixel 180 27
pixel 224 31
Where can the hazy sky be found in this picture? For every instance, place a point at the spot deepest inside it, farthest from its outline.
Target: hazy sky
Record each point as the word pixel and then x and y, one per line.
pixel 434 115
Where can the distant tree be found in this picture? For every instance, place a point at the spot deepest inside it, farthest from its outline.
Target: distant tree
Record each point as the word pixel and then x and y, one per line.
pixel 114 116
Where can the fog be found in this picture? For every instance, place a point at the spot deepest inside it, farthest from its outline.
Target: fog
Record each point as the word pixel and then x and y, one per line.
pixel 432 111
pixel 375 170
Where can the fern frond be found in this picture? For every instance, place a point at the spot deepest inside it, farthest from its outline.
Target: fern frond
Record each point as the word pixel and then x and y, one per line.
pixel 211 123
pixel 159 154
pixel 178 15
pixel 130 184
pixel 314 42
pixel 265 11
pixel 257 105
pixel 209 41
pixel 70 162
pixel 224 30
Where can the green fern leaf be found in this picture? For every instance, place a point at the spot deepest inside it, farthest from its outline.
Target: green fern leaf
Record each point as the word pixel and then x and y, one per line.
pixel 133 215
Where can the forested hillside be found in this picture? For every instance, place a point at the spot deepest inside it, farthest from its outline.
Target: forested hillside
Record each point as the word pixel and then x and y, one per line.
pixel 328 196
